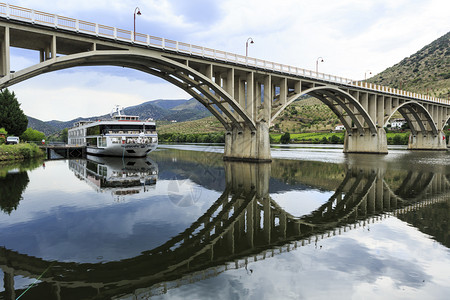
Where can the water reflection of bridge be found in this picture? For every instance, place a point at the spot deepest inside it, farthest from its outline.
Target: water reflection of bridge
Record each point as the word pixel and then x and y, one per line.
pixel 243 225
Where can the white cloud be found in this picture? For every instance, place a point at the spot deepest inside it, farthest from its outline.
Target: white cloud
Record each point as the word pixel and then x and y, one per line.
pixel 67 95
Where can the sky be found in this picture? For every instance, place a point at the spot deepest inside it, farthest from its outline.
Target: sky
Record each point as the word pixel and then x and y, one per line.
pixel 355 39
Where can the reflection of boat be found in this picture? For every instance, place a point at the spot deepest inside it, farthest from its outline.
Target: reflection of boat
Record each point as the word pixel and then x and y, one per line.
pixel 121 135
pixel 119 176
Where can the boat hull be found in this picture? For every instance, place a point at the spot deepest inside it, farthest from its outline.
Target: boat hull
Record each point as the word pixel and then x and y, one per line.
pixel 124 150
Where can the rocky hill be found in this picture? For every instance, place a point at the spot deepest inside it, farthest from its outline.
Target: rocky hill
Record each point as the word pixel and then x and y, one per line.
pixel 427 71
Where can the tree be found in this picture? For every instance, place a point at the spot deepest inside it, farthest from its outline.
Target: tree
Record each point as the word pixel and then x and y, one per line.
pixel 285 138
pixel 12 117
pixel 32 135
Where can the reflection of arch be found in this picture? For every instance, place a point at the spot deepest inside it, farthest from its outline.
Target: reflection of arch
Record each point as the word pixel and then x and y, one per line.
pixel 413 183
pixel 412 112
pixel 240 224
pixel 340 102
pixel 199 86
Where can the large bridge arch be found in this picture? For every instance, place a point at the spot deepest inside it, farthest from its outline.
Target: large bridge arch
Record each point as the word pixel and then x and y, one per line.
pixel 342 103
pixel 204 89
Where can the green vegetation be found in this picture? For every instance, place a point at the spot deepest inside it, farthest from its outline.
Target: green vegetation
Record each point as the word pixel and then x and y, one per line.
pixel 19 152
pixel 192 138
pixel 397 138
pixel 12 118
pixel 32 135
pixel 285 138
pixel 310 138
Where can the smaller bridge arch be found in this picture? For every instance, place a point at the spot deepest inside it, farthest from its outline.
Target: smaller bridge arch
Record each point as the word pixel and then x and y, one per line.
pixel 417 117
pixel 344 105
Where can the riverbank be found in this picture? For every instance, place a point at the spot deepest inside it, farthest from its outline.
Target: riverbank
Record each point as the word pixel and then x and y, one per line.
pixel 19 152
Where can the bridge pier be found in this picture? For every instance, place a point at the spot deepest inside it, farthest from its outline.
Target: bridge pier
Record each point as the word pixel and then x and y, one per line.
pixel 354 142
pixel 428 141
pixel 248 145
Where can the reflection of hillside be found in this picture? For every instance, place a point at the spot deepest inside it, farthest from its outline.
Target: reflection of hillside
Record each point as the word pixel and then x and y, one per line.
pixel 394 178
pixel 206 168
pixel 432 220
pixel 316 174
pixel 203 168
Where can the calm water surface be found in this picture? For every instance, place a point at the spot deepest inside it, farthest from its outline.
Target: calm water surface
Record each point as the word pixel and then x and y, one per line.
pixel 183 224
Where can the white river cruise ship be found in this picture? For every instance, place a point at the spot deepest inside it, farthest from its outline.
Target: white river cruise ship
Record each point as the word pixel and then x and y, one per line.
pixel 121 135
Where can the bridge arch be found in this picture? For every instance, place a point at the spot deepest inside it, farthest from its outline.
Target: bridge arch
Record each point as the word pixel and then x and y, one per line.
pixel 201 87
pixel 417 117
pixel 341 103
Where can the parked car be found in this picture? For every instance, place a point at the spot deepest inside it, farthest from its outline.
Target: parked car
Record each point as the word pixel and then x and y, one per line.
pixel 12 140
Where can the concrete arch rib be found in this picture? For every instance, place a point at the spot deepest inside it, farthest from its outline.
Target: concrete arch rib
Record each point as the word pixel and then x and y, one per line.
pixel 415 109
pixel 202 88
pixel 328 95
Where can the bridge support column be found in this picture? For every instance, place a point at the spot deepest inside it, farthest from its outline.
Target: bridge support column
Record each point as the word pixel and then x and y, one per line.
pixel 427 142
pixel 4 53
pixel 248 145
pixel 354 142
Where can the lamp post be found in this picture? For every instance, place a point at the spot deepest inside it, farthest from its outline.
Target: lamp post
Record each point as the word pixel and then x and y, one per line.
pixel 246 45
pixel 365 74
pixel 317 64
pixel 137 11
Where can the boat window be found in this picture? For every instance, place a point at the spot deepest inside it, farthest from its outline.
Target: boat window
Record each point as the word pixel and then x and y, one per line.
pixel 102 141
pixel 94 130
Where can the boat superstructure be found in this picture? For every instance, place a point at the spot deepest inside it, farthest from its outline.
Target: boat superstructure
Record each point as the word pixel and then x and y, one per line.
pixel 119 135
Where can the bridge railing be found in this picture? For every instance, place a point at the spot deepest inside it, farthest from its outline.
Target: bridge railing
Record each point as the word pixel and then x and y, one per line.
pixel 42 18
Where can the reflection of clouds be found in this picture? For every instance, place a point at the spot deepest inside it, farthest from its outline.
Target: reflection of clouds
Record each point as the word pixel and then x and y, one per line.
pixel 71 227
pixel 300 203
pixel 359 264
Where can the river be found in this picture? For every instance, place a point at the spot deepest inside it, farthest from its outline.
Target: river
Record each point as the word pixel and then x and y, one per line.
pixel 183 224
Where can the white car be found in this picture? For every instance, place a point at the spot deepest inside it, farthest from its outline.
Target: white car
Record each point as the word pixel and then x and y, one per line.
pixel 12 140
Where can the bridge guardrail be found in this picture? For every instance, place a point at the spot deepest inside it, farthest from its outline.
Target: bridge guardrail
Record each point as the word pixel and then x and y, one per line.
pixel 35 16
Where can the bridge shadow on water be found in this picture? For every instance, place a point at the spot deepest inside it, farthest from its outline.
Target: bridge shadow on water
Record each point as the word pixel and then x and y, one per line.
pixel 243 225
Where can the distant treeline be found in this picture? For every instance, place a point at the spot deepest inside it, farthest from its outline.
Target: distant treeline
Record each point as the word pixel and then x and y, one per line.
pixel 217 137
pixel 399 138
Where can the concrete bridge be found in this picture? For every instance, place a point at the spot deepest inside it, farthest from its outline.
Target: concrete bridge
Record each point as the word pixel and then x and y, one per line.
pixel 245 94
pixel 244 225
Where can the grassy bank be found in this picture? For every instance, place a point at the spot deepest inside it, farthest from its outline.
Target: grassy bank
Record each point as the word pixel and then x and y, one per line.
pixel 19 152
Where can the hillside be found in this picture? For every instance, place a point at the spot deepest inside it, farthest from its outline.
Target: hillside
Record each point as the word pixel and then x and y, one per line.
pixel 426 71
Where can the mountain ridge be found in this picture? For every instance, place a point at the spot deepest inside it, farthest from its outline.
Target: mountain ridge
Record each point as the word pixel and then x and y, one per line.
pixel 162 110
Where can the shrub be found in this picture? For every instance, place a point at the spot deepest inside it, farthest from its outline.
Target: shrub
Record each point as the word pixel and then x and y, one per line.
pixel 285 138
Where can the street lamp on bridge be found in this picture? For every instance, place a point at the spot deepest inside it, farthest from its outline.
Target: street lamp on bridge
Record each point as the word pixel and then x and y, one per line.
pixel 319 59
pixel 365 74
pixel 246 45
pixel 137 11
